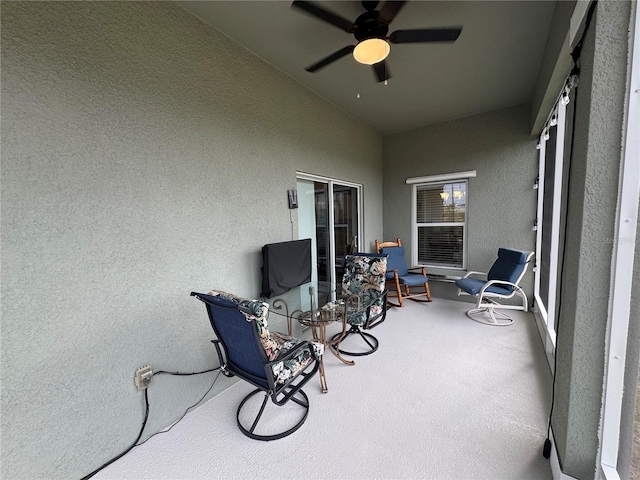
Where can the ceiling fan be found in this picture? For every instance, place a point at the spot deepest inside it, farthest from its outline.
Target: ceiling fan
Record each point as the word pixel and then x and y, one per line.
pixel 370 30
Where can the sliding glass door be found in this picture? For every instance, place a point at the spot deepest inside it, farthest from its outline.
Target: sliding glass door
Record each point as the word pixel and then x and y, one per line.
pixel 329 214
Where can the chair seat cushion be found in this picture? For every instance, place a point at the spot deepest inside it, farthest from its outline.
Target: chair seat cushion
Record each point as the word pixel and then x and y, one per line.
pixel 413 279
pixel 356 317
pixel 473 286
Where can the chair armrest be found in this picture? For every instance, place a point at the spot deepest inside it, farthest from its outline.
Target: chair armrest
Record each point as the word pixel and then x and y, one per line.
pixel 395 274
pixel 295 350
pixel 284 370
pixel 497 282
pixel 221 359
pixel 475 273
pixel 422 270
pixel 377 319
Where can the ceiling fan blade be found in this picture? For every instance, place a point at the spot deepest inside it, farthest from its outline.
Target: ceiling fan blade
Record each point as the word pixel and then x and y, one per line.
pixel 426 35
pixel 331 58
pixel 389 10
pixel 381 69
pixel 323 14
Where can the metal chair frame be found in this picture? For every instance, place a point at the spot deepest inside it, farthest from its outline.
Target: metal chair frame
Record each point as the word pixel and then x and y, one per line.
pixel 370 340
pixel 370 322
pixel 278 393
pixel 487 301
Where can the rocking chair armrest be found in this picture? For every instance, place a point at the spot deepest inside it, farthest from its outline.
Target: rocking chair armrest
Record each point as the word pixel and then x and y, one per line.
pixel 395 275
pixel 422 270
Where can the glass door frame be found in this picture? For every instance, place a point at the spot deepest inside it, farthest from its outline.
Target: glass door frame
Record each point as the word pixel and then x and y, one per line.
pixel 330 182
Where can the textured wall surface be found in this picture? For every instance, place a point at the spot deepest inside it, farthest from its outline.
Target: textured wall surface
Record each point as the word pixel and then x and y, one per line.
pixel 593 190
pixel 144 155
pixel 555 66
pixel 501 201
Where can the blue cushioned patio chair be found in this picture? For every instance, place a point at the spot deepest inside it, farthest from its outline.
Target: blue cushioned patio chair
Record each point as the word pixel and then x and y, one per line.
pixel 276 364
pixel 363 292
pixel 400 277
pixel 502 282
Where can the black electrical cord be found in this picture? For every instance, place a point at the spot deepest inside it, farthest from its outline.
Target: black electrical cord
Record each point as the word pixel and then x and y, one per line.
pixel 192 406
pixel 575 72
pixel 184 374
pixel 146 417
pixel 144 423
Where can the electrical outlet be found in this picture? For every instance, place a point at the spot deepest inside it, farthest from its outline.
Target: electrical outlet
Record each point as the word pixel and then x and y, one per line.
pixel 143 378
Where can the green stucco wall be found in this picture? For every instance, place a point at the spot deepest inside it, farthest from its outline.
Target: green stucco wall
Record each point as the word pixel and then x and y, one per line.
pixel 144 155
pixel 593 189
pixel 501 199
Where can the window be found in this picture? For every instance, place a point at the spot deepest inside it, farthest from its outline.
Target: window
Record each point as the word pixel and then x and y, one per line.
pixel 440 220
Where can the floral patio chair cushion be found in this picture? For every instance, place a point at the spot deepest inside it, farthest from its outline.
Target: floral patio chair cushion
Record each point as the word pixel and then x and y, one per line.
pixel 364 277
pixel 274 344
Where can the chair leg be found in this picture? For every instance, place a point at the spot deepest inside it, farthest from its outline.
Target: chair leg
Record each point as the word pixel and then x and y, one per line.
pixel 250 432
pixel 399 290
pixel 492 307
pixel 395 285
pixel 476 314
pixel 369 339
pixel 427 294
pixel 427 291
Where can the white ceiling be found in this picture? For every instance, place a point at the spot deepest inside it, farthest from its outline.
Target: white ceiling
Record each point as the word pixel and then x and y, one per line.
pixel 493 64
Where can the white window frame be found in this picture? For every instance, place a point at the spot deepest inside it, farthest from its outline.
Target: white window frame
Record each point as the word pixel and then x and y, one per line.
pixel 415 182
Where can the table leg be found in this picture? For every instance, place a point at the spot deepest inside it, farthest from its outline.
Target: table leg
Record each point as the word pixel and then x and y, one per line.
pixel 319 335
pixel 334 346
pixel 323 377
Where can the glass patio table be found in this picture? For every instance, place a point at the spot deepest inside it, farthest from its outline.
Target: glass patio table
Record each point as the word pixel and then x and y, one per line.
pixel 319 319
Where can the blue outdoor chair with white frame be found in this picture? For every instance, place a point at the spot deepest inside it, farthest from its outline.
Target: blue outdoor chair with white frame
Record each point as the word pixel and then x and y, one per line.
pixel 501 283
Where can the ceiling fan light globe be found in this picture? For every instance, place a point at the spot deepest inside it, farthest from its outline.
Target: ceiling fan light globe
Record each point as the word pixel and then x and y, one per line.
pixel 371 51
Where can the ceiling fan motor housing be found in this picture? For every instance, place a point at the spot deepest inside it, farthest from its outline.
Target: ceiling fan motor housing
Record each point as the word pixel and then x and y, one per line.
pixel 368 26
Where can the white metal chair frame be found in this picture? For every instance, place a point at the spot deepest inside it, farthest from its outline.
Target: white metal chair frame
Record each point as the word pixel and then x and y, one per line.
pixel 488 304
